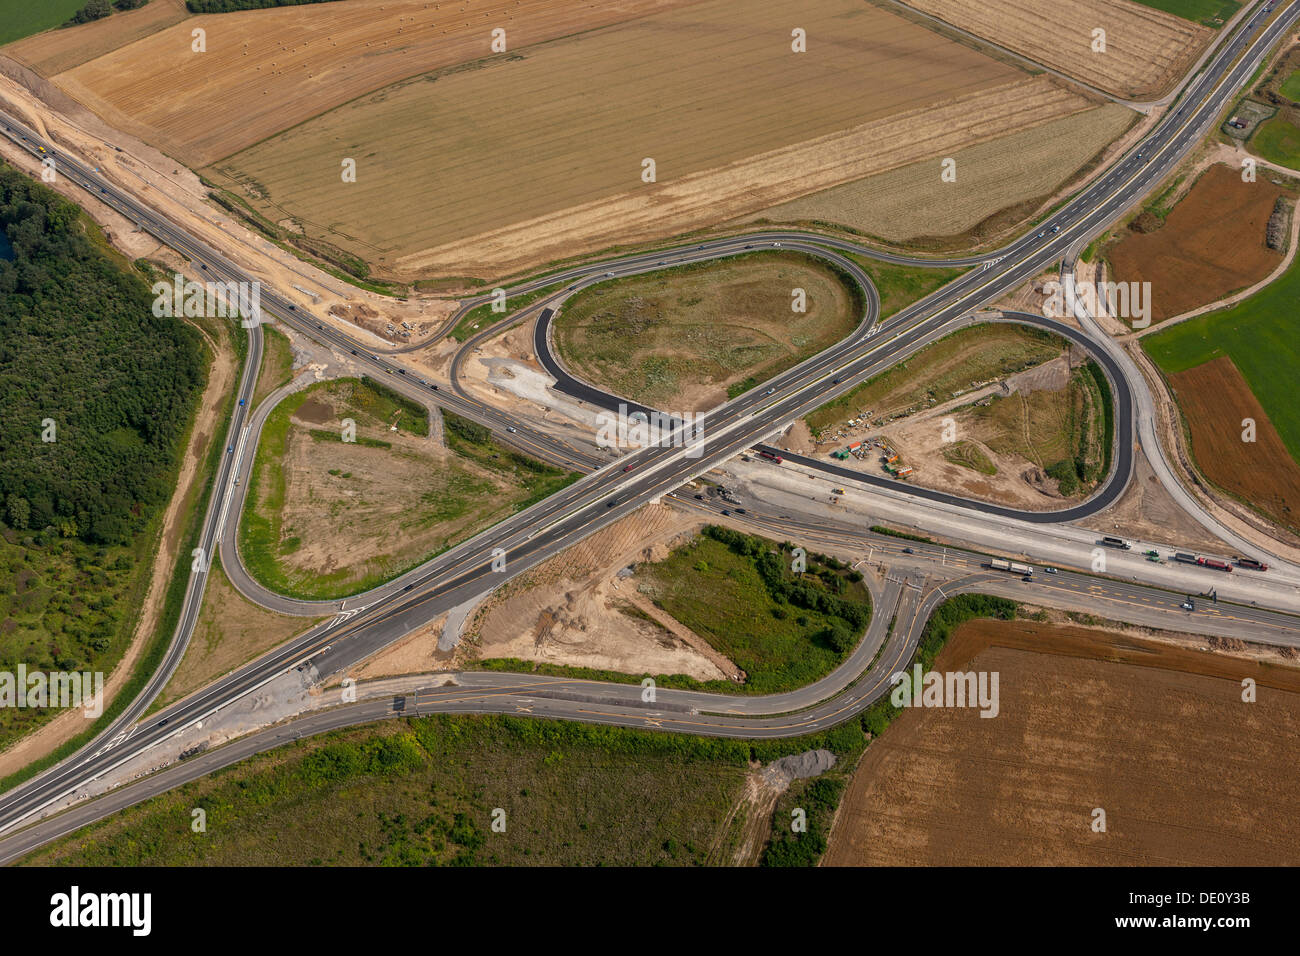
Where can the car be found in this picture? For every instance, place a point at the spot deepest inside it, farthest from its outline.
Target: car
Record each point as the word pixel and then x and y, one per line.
pixel 909 551
pixel 163 722
pixel 609 275
pixel 202 266
pixel 663 262
pixel 1041 234
pixel 511 429
pixel 1029 578
pixel 408 587
pixel 1050 571
pixel 1188 606
pixel 241 402
pixel 293 308
pixel 401 371
pixel 354 351
pixel 434 387
pixel 699 497
pixel 777 245
pixel 769 391
pixel 319 326
pixel 627 468
pixel 750 246
pixel 726 513
pixel 740 511
pixel 611 503
pixel 229 449
pixel 1056 229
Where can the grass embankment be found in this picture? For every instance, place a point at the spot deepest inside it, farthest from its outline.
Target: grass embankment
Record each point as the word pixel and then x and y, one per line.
pixel 22 18
pixel 956 363
pixel 900 286
pixel 482 317
pixel 1067 432
pixel 1278 140
pixel 784 629
pixel 720 326
pixel 1259 335
pixel 277 364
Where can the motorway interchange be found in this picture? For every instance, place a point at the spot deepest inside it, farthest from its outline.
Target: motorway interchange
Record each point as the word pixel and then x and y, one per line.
pixel 1259 609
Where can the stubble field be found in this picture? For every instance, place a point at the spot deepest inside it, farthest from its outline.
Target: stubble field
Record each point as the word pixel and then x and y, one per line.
pixel 538 156
pixel 1146 52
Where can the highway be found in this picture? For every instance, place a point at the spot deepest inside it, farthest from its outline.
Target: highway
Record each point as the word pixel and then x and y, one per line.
pixel 609 492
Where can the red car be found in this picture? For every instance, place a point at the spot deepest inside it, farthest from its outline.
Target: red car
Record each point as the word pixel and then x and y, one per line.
pixel 629 467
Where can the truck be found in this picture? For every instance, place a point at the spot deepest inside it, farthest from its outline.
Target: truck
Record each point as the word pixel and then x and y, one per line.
pixel 1015 567
pixel 1184 557
pixel 1214 564
pixel 903 472
pixel 1111 541
pixel 771 456
pixel 1250 564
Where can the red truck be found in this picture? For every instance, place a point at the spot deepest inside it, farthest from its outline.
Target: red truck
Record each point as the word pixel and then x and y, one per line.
pixel 771 457
pixel 1214 564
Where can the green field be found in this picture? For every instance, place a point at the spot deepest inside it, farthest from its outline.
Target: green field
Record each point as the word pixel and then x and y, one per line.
pixel 1261 335
pixel 22 18
pixel 737 591
pixel 1291 88
pixel 1278 141
pixel 1212 13
pixel 423 792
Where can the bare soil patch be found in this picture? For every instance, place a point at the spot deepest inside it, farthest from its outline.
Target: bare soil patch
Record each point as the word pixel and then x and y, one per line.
pixel 1215 400
pixel 1154 734
pixel 1211 244
pixel 574 609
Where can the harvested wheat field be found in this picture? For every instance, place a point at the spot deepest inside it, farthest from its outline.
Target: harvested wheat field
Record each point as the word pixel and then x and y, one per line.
pixel 1155 735
pixel 57 50
pixel 1011 174
pixel 1211 245
pixel 516 162
pixel 286 65
pixel 1215 399
pixel 1147 50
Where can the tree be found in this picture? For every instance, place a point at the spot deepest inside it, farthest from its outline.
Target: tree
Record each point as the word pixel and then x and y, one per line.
pixel 19 512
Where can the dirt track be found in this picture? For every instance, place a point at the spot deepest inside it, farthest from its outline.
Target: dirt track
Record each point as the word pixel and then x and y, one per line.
pixel 1156 735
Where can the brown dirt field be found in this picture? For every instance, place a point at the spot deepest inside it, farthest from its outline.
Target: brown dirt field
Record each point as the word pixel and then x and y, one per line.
pixel 55 51
pixel 569 610
pixel 1156 735
pixel 700 89
pixel 386 508
pixel 1018 169
pixel 1211 244
pixel 1147 50
pixel 230 631
pixel 1214 398
pixel 286 65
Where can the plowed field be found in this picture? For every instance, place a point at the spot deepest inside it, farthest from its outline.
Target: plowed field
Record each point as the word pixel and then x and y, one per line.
pixel 1211 245
pixel 1215 398
pixel 1156 736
